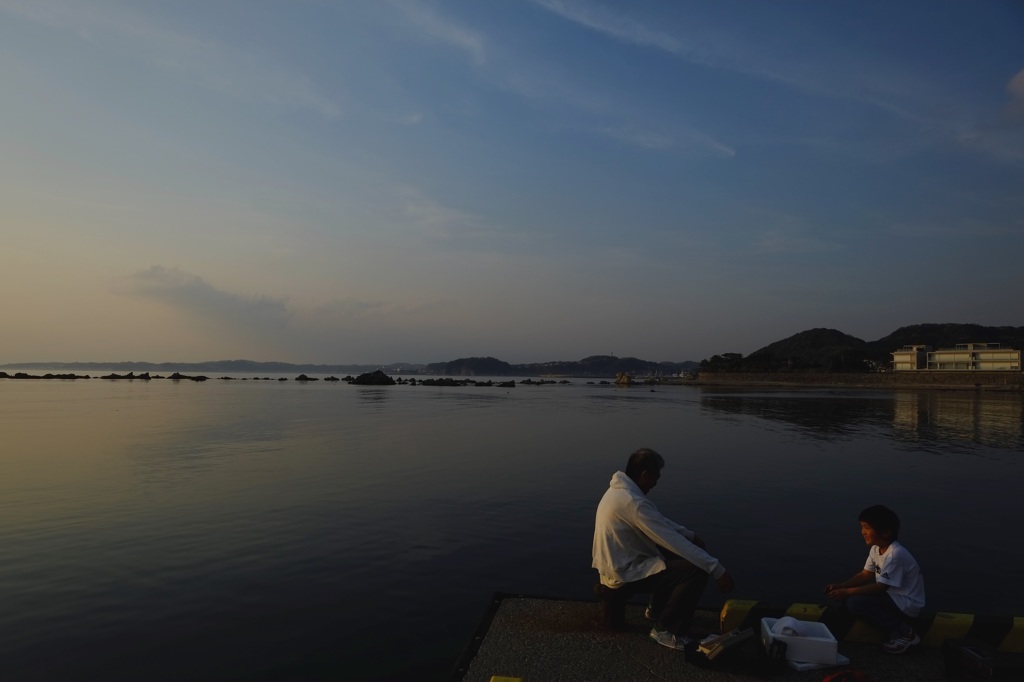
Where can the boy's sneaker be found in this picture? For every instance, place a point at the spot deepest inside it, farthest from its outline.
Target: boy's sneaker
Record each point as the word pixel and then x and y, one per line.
pixel 666 638
pixel 899 645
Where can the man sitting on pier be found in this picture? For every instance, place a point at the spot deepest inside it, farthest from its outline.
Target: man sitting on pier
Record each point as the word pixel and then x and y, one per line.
pixel 638 550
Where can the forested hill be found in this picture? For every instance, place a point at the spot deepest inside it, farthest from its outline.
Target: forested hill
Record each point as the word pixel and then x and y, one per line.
pixel 948 335
pixel 832 350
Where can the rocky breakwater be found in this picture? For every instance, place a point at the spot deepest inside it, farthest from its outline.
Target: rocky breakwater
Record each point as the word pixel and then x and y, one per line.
pixel 146 376
pixel 379 378
pixel 375 378
pixel 24 375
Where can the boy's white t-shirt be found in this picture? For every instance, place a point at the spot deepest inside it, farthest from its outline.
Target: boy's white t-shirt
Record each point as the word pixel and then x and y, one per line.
pixel 898 569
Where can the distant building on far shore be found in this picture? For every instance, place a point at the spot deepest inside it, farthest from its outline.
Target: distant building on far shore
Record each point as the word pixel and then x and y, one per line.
pixel 977 357
pixel 910 358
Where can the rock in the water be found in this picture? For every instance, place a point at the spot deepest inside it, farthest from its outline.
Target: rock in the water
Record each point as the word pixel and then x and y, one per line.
pixel 377 378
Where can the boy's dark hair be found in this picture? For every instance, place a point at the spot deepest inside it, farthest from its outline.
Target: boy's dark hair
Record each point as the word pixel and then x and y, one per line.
pixel 642 460
pixel 882 519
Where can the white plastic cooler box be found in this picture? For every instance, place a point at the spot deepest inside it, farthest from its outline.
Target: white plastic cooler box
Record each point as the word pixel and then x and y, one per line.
pixel 816 646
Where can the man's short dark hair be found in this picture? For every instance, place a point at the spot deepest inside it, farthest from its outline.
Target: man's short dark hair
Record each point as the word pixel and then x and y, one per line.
pixel 642 460
pixel 882 519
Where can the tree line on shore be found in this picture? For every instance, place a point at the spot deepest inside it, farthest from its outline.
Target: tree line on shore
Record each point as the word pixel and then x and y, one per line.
pixel 830 350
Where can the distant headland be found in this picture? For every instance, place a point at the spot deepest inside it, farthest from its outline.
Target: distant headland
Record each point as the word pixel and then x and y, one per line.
pixel 812 351
pixel 594 366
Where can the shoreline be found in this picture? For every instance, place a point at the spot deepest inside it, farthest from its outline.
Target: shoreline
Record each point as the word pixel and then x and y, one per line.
pixel 996 382
pixel 1003 382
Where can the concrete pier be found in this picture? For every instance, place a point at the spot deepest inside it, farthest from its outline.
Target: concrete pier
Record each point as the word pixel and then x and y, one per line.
pixel 537 639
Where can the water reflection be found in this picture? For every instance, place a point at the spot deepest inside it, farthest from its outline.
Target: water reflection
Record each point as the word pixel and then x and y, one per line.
pixel 941 419
pixel 840 416
pixel 374 398
pixel 929 417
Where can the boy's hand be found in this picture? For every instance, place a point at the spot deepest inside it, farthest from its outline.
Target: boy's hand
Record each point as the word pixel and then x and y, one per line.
pixel 837 593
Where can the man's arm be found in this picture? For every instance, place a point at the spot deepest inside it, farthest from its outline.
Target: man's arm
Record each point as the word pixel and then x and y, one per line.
pixel 685 532
pixel 664 532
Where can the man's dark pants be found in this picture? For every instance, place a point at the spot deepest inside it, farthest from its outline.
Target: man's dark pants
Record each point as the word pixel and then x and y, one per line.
pixel 675 595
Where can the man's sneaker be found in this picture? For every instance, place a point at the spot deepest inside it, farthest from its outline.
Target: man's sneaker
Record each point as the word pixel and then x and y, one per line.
pixel 899 645
pixel 666 638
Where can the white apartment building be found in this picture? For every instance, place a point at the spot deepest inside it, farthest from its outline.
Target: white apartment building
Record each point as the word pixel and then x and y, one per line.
pixel 986 357
pixel 975 356
pixel 910 358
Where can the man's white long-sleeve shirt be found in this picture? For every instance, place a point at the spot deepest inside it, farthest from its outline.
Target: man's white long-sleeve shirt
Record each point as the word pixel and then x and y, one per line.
pixel 627 532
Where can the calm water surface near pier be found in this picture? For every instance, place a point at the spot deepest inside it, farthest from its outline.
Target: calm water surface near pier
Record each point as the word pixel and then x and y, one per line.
pixel 277 530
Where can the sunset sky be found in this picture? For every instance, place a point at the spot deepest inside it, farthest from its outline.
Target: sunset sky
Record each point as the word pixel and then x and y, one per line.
pixel 376 181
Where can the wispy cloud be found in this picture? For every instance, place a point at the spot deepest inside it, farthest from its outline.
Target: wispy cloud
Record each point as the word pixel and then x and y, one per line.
pixel 687 142
pixel 193 295
pixel 644 139
pixel 544 87
pixel 203 62
pixel 936 117
pixel 621 28
pixel 1015 89
pixel 997 135
pixel 725 56
pixel 1003 231
pixel 437 221
pixel 443 29
pixel 617 122
pixel 712 144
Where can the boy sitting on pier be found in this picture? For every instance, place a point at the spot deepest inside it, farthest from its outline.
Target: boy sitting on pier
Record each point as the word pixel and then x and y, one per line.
pixel 889 591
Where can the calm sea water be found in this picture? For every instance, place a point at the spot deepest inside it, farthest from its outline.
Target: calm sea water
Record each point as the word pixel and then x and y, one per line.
pixel 277 530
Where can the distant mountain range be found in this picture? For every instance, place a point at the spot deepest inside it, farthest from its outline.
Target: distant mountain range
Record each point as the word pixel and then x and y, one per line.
pixel 216 366
pixel 832 350
pixel 814 349
pixel 594 366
